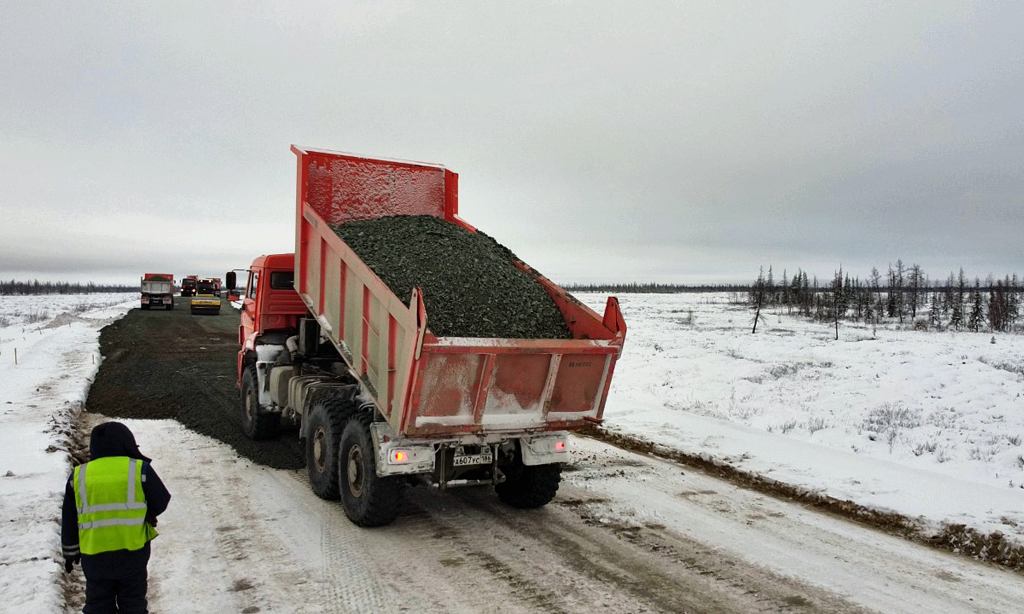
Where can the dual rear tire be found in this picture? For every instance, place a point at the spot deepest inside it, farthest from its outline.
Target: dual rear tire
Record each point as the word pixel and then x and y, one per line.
pixel 341 465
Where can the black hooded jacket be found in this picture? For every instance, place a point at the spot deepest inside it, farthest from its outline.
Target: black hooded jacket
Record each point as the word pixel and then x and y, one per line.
pixel 113 439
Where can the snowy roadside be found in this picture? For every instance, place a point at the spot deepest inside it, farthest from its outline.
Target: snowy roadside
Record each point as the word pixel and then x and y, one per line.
pixel 927 425
pixel 56 339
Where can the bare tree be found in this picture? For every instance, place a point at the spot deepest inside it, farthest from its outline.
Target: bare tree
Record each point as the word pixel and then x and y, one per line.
pixel 837 304
pixel 757 299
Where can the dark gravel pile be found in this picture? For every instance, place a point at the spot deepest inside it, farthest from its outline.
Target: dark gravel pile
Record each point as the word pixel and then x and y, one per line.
pixel 470 286
pixel 171 365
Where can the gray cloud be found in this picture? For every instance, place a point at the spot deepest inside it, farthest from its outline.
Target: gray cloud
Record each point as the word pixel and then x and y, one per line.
pixel 599 141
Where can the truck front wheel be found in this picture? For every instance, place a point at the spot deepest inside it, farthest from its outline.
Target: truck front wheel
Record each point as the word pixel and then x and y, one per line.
pixel 256 424
pixel 529 487
pixel 369 500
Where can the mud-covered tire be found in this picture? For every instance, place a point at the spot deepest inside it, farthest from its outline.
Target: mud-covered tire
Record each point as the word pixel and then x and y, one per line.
pixel 324 423
pixel 369 500
pixel 170 306
pixel 529 487
pixel 255 423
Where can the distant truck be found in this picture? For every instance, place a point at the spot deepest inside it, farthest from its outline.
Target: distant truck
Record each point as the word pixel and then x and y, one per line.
pixel 157 290
pixel 379 400
pixel 206 299
pixel 188 285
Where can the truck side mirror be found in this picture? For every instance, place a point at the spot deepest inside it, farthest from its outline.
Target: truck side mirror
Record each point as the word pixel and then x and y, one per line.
pixel 230 280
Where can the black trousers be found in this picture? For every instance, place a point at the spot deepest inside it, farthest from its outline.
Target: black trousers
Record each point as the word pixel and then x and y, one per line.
pixel 125 595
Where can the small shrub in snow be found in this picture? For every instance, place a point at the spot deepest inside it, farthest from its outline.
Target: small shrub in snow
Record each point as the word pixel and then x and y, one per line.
pixel 891 415
pixel 1014 440
pixel 4 321
pixel 777 371
pixel 927 447
pixel 978 454
pixel 889 419
pixel 1015 368
pixel 37 316
pixel 944 419
pixel 1020 461
pixel 943 455
pixel 786 427
pixel 816 424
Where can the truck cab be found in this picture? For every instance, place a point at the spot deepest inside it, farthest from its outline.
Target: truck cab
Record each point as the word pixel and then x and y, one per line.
pixel 270 306
pixel 188 286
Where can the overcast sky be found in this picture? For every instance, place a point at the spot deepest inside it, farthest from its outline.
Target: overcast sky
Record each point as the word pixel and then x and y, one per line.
pixel 654 141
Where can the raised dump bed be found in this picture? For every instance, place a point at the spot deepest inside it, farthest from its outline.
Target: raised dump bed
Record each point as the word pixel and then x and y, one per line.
pixel 426 385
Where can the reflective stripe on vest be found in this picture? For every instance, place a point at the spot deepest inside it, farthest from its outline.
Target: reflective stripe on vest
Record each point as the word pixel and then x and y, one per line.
pixel 111 505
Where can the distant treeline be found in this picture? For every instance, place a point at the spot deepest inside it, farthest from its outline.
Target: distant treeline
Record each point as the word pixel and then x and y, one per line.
pixel 656 288
pixel 904 294
pixel 12 287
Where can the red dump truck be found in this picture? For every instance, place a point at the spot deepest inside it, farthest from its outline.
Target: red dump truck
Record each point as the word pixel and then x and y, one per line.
pixel 188 285
pixel 157 290
pixel 379 400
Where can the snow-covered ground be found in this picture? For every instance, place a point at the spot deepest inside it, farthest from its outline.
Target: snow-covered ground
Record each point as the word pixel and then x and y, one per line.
pixel 926 424
pixel 55 338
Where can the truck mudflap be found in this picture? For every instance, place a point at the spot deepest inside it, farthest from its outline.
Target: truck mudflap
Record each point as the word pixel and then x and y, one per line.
pixel 545 449
pixel 396 457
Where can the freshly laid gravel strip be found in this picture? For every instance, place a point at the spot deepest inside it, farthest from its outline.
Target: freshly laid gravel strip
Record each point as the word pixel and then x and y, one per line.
pixel 470 286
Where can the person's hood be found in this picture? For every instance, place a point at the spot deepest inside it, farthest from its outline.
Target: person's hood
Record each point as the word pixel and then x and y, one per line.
pixel 113 439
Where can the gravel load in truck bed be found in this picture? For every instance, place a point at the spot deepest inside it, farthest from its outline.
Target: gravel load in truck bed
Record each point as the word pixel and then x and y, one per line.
pixel 470 286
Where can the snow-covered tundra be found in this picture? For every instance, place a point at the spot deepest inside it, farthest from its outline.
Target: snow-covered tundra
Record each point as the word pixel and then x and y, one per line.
pixel 927 425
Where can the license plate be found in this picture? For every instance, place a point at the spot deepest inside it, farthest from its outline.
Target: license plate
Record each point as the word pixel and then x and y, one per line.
pixel 484 458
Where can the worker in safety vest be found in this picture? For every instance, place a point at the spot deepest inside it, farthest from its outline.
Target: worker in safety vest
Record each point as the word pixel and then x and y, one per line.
pixel 109 518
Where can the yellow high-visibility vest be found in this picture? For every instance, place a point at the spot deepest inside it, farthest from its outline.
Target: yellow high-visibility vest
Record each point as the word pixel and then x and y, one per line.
pixel 111 505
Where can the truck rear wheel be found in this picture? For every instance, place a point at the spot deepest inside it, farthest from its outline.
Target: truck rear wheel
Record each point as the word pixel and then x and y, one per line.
pixel 369 500
pixel 529 487
pixel 325 422
pixel 145 306
pixel 256 424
